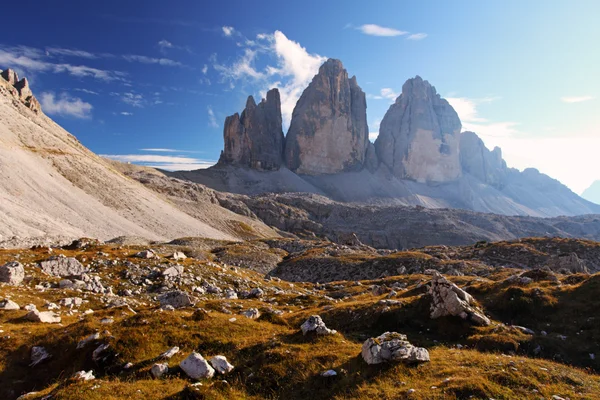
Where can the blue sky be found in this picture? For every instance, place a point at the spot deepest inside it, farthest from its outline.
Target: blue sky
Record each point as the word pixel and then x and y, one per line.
pixel 129 76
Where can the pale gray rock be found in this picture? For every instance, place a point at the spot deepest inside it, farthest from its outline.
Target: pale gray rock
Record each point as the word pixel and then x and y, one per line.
pixel 175 299
pixel 12 273
pixel 251 313
pixel 84 375
pixel 329 373
pixel 63 266
pixel 174 271
pixel 8 305
pixel 47 317
pixel 38 354
pixel 158 370
pixel 196 367
pixel 221 365
pixel 392 347
pixel 419 135
pixel 170 353
pixel 487 166
pixel 315 324
pixel 88 339
pixel 328 132
pixel 100 352
pixel 71 302
pixel 568 264
pixel 256 293
pixel 178 255
pixel 147 254
pixel 255 139
pixel 449 299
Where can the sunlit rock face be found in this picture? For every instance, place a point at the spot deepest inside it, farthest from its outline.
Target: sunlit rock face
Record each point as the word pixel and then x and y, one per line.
pixel 419 135
pixel 328 132
pixel 485 165
pixel 255 138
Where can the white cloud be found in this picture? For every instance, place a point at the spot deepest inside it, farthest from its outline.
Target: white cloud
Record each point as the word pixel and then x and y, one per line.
pixel 576 99
pixel 417 36
pixel 165 44
pixel 378 30
pixel 205 69
pixel 133 99
pixel 212 119
pixel 71 52
pixel 163 150
pixel 152 60
pixel 171 163
pixel 228 30
pixel 126 113
pixel 374 133
pixel 86 91
pixel 65 105
pixel 242 68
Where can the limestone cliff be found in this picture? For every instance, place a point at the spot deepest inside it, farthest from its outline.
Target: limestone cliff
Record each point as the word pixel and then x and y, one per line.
pixel 255 139
pixel 419 135
pixel 477 160
pixel 20 89
pixel 328 132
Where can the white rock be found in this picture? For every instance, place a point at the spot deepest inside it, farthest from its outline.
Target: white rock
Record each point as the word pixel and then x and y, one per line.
pixel 196 367
pixel 84 376
pixel 315 324
pixel 221 365
pixel 231 295
pixel 175 270
pixel 83 342
pixel 158 370
pixel 148 254
pixel 62 266
pixel 8 305
pixel 176 299
pixel 329 373
pixel 178 255
pixel 71 302
pixel 392 346
pixel 170 353
pixel 251 313
pixel 12 273
pixel 449 299
pixel 256 293
pixel 47 317
pixel 30 307
pixel 38 354
pixel 97 353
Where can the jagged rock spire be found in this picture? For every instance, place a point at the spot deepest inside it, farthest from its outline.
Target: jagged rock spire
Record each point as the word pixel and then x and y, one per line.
pixel 20 89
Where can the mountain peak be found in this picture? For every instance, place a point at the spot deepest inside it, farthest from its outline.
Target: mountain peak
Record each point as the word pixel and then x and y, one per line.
pixel 19 89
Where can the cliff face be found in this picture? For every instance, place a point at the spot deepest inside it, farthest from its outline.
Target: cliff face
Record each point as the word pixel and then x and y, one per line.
pixel 477 160
pixel 328 132
pixel 20 89
pixel 419 135
pixel 255 139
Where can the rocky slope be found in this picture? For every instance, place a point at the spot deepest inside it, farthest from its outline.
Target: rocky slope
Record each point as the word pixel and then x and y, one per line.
pixel 97 320
pixel 50 184
pixel 255 139
pixel 592 193
pixel 328 132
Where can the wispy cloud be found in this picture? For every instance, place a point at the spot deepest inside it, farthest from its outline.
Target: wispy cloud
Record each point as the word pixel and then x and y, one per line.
pixel 171 163
pixel 165 44
pixel 417 36
pixel 163 150
pixel 385 93
pixel 378 30
pixel 152 60
pixel 70 52
pixel 467 110
pixel 228 30
pixel 576 99
pixel 212 119
pixel 205 69
pixel 86 91
pixel 126 113
pixel 65 105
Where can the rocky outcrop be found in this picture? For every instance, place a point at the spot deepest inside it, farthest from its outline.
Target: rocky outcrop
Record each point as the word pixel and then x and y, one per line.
pixel 328 132
pixel 63 266
pixel 12 273
pixel 449 299
pixel 392 347
pixel 20 89
pixel 255 138
pixel 419 135
pixel 477 160
pixel 314 324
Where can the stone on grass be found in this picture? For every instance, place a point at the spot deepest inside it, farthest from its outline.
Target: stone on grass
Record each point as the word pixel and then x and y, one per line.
pixel 329 373
pixel 392 347
pixel 178 255
pixel 251 313
pixel 38 354
pixel 12 273
pixel 314 323
pixel 221 365
pixel 173 271
pixel 90 338
pixel 196 367
pixel 449 299
pixel 84 376
pixel 47 317
pixel 8 304
pixel 99 352
pixel 256 293
pixel 148 254
pixel 170 353
pixel 176 299
pixel 62 266
pixel 158 370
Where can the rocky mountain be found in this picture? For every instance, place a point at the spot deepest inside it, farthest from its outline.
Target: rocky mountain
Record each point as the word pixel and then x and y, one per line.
pixel 592 193
pixel 328 133
pixel 419 158
pixel 255 139
pixel 419 135
pixel 51 185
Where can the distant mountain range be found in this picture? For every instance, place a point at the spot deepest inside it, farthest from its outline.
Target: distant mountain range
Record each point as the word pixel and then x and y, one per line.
pixel 420 157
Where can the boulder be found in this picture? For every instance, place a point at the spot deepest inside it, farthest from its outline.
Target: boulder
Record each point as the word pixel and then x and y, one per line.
pixel 84 376
pixel 196 367
pixel 221 365
pixel 38 354
pixel 449 299
pixel 251 313
pixel 47 317
pixel 12 273
pixel 419 136
pixel 158 370
pixel 178 255
pixel 173 271
pixel 255 139
pixel 392 347
pixel 568 264
pixel 175 299
pixel 8 304
pixel 315 324
pixel 147 254
pixel 170 353
pixel 62 266
pixel 328 131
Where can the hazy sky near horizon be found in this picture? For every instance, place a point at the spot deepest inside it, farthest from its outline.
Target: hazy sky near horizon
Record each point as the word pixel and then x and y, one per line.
pixel 151 82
